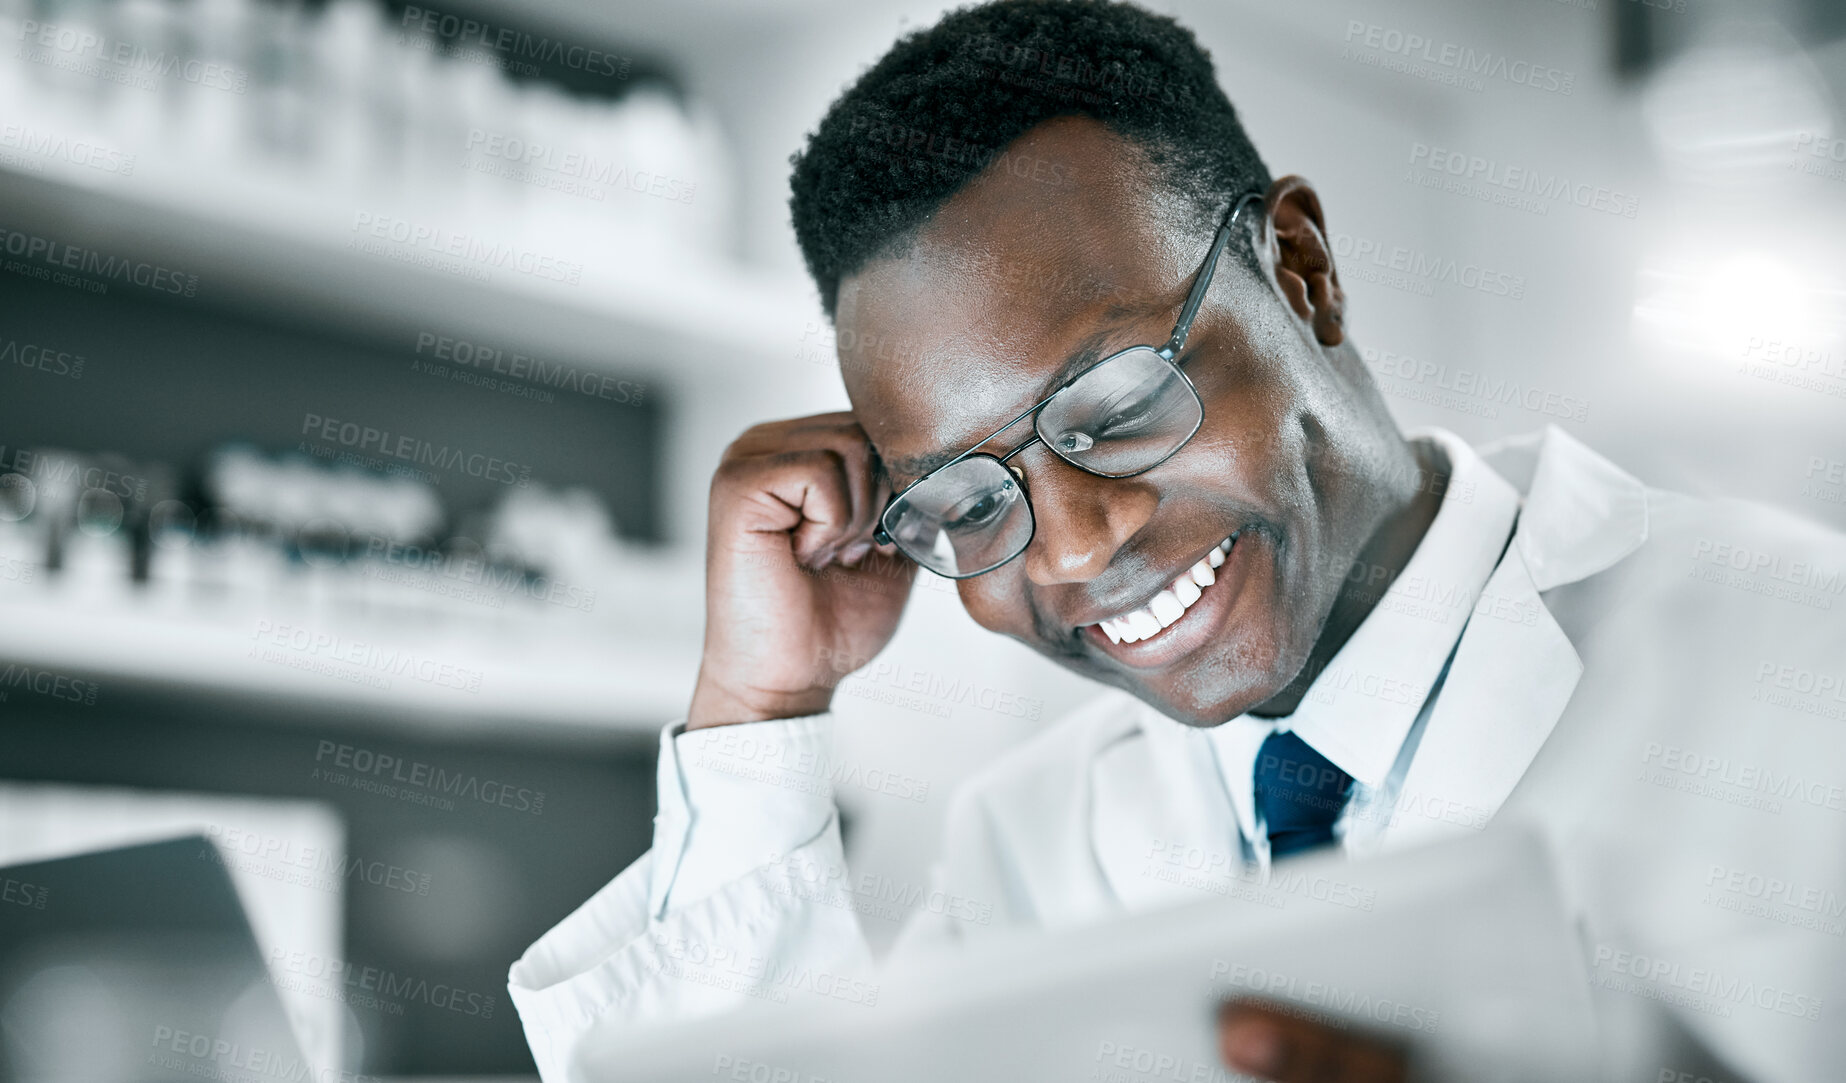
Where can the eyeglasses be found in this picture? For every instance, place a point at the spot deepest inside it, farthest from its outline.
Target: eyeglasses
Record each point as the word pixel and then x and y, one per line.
pixel 1122 416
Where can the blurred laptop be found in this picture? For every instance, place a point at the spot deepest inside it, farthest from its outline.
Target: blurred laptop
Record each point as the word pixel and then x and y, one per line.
pixel 261 842
pixel 136 964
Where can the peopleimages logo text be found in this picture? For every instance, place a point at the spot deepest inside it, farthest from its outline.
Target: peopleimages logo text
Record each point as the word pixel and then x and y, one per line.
pixel 351 981
pixel 579 165
pixel 1468 383
pixel 46 683
pixel 485 253
pixel 520 366
pixel 383 765
pixel 153 276
pixel 125 58
pixel 513 44
pixel 1461 59
pixel 1315 994
pixel 62 148
pixel 412 449
pixel 1524 180
pixel 1418 265
pixel 1720 990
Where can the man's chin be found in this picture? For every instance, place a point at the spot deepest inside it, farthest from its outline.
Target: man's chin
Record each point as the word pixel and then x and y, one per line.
pixel 1201 715
pixel 1204 695
pixel 1218 683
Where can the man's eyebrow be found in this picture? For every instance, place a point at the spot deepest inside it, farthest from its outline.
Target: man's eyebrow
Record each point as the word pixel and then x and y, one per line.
pixel 880 472
pixel 1087 354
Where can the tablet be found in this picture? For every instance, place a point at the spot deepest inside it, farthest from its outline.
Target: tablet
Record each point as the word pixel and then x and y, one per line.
pixel 1460 950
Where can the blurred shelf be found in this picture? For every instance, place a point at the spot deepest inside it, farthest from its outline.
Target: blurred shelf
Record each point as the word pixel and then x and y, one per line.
pixel 668 313
pixel 533 670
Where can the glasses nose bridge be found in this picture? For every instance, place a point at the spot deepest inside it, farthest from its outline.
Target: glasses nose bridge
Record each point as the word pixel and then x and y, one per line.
pixel 1007 459
pixel 1036 440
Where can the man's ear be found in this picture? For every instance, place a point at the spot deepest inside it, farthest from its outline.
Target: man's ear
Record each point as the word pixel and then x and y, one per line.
pixel 1303 259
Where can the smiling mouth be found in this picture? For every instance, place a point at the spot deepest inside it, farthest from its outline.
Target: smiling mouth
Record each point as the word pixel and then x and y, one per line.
pixel 1166 608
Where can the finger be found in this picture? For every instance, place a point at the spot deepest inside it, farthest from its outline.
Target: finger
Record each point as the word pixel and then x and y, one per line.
pixel 1269 1043
pixel 802 494
pixel 778 431
pixel 840 434
pixel 867 553
pixel 770 437
pixel 864 481
pixel 826 507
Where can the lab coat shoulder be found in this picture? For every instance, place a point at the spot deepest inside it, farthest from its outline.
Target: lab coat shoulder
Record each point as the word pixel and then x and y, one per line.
pixel 1602 547
pixel 1685 611
pixel 1017 833
pixel 1699 756
pixel 1715 580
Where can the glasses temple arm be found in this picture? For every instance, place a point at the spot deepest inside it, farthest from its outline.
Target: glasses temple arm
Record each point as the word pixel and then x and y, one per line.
pixel 1202 284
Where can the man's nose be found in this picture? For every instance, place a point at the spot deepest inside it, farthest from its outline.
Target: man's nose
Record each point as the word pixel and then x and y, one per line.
pixel 1082 520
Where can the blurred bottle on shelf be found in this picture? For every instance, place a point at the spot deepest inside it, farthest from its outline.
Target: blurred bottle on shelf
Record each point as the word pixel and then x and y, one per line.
pixel 76 519
pixel 256 531
pixel 305 115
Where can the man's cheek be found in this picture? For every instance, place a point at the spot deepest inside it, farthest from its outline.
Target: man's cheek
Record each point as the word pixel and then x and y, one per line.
pixel 997 601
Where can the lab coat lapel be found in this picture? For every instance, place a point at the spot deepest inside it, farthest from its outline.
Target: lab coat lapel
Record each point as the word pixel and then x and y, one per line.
pixel 1513 673
pixel 1515 669
pixel 1164 830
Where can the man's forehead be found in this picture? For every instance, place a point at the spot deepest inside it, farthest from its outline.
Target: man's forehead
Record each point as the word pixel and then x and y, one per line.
pixel 957 358
pixel 1006 287
pixel 920 436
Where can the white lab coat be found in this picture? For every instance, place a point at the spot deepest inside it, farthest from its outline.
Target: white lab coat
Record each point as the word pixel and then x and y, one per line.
pixel 1656 683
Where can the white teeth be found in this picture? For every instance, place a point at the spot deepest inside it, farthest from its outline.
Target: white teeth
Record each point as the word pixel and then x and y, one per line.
pixel 1170 604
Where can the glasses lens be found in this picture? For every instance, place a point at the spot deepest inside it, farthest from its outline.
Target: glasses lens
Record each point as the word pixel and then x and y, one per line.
pixel 962 520
pixel 1124 416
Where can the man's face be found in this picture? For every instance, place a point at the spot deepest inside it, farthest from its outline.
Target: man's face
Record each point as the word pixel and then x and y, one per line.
pixel 1021 280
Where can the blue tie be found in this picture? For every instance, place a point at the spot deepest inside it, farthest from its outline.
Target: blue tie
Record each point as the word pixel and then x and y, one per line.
pixel 1299 792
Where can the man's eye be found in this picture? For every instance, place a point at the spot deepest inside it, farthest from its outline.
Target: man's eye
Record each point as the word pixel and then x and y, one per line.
pixel 1126 419
pixel 979 512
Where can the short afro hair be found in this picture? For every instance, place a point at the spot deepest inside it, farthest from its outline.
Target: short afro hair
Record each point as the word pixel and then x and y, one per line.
pixel 944 103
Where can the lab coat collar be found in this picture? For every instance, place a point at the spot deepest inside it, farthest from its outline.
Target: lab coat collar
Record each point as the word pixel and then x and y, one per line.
pixel 1360 708
pixel 1515 669
pixel 1582 513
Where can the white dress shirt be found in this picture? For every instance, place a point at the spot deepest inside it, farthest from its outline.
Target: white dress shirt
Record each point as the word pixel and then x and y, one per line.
pixel 1613 679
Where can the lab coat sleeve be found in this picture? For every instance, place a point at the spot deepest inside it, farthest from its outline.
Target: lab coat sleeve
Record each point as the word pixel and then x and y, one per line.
pixel 720 910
